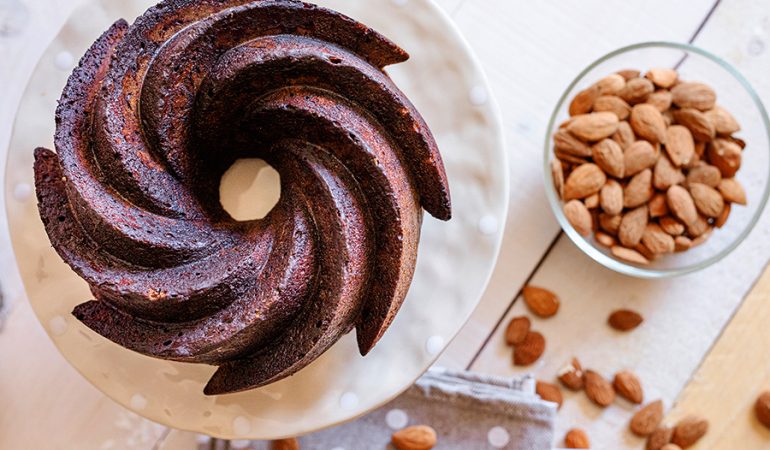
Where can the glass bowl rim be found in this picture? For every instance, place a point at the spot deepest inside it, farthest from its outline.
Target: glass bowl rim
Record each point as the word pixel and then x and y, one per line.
pixel 556 202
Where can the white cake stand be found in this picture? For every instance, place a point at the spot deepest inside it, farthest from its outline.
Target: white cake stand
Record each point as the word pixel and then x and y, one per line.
pixel 455 259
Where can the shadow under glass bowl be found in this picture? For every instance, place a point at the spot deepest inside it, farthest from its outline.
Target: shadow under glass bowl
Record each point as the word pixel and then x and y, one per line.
pixel 735 94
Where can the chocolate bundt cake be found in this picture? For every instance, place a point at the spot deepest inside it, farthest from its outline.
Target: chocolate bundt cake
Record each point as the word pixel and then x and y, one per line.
pixel 153 116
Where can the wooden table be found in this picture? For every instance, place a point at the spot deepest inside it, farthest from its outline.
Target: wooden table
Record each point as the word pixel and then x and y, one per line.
pixel 705 343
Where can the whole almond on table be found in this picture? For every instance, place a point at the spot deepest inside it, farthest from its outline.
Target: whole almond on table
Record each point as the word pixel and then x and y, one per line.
pixel 571 375
pixel 541 302
pixel 689 430
pixel 576 438
pixel 598 389
pixel 285 444
pixel 628 386
pixel 647 123
pixel 608 155
pixel 417 437
pixel 699 124
pixel 584 181
pixel 517 330
pixel 549 392
pixel 578 216
pixel 647 419
pixel 693 95
pixel 624 319
pixel 762 409
pixel 659 438
pixel 593 126
pixel 529 350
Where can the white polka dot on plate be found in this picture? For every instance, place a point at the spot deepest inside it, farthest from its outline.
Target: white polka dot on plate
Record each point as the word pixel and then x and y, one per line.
pixel 488 224
pixel 22 192
pixel 478 95
pixel 396 418
pixel 241 426
pixel 348 400
pixel 138 402
pixel 434 345
pixel 498 437
pixel 64 60
pixel 58 325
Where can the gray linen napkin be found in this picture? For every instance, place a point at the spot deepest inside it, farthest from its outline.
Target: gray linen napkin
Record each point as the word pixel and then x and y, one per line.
pixel 468 411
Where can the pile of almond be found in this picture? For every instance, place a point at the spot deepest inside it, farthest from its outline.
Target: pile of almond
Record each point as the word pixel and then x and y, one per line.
pixel 647 163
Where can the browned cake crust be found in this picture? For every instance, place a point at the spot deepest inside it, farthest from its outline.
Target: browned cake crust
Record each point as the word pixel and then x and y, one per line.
pixel 147 124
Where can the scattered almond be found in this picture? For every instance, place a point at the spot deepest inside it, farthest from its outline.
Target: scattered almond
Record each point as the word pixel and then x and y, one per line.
pixel 625 319
pixel 598 389
pixel 732 191
pixel 541 302
pixel 529 350
pixel 707 199
pixel 285 444
pixel 659 438
pixel 517 330
pixel 628 386
pixel 693 95
pixel 593 126
pixel 576 438
pixel 632 226
pixel 689 430
pixel 629 255
pixel 647 123
pixel 762 408
pixel 549 392
pixel 679 145
pixel 584 181
pixel 647 419
pixel 578 216
pixel 417 437
pixel 664 78
pixel 571 375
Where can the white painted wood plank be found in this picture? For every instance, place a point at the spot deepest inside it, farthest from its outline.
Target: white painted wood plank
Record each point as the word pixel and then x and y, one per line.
pixel 531 52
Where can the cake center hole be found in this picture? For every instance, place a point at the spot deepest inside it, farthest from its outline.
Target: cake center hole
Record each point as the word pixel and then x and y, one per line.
pixel 249 189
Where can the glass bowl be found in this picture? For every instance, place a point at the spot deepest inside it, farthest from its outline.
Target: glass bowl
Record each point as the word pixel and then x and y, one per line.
pixel 735 94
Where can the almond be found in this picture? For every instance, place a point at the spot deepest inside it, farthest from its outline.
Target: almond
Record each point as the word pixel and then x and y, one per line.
pixel 592 201
pixel 702 238
pixel 628 386
pixel 628 74
pixel 571 375
pixel 699 227
pixel 417 437
pixel 641 248
pixel 639 156
pixel 629 255
pixel 725 155
pixel 762 408
pixel 565 142
pixel 611 197
pixel 689 430
pixel 625 319
pixel 624 135
pixel 583 101
pixel 659 438
pixel 613 104
pixel 608 155
pixel 707 199
pixel 557 174
pixel 693 95
pixel 610 223
pixel 671 447
pixel 720 221
pixel 530 349
pixel 671 225
pixel 517 330
pixel 698 123
pixel 662 101
pixel 576 438
pixel 284 444
pixel 632 226
pixel 584 181
pixel 732 191
pixel 542 302
pixel 724 122
pixel 594 126
pixel 664 78
pixel 578 216
pixel 639 190
pixel 680 145
pixel 598 389
pixel 682 243
pixel 549 392
pixel 647 419
pixel 681 204
pixel 636 90
pixel 647 123
pixel 604 239
pixel 658 241
pixel 611 84
pixel 658 205
pixel 704 174
pixel 665 174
